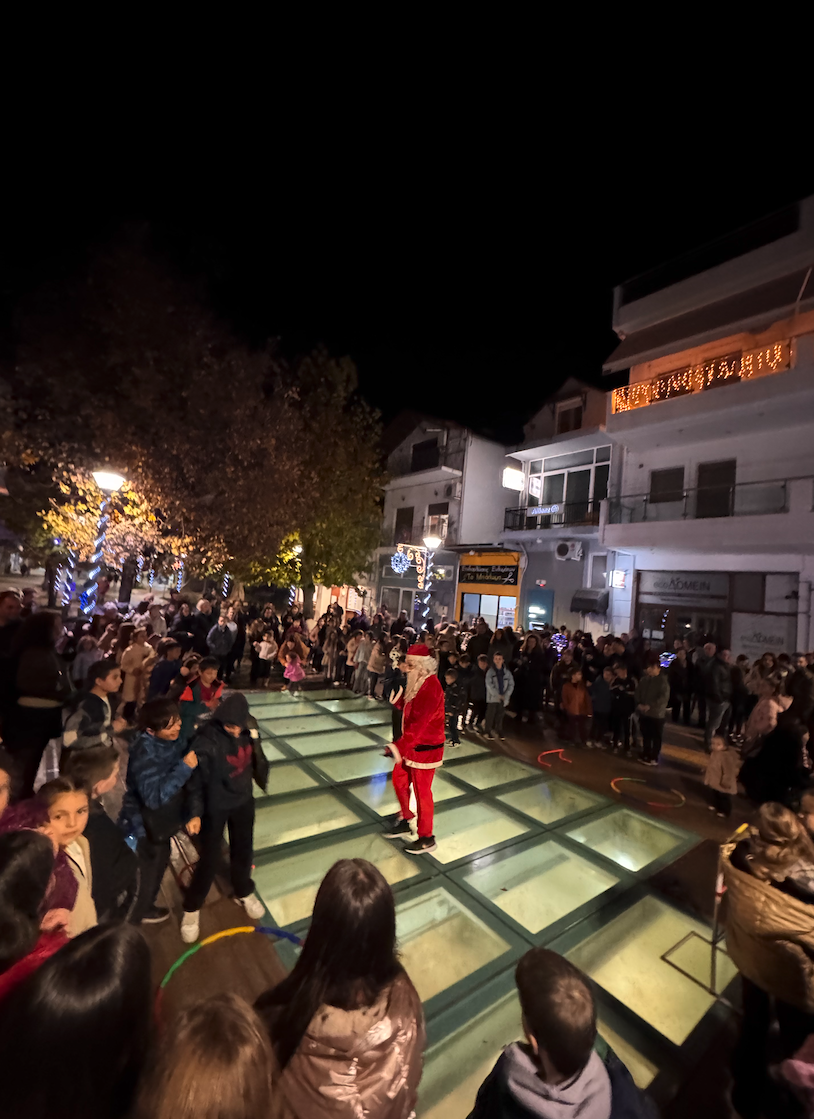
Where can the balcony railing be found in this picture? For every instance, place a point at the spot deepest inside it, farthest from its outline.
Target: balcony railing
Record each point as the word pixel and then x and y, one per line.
pixel 745 499
pixel 571 514
pixel 726 370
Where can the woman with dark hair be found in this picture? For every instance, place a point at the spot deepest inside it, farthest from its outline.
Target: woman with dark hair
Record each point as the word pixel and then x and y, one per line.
pixel 87 1013
pixel 216 1061
pixel 531 677
pixel 26 865
pixel 43 687
pixel 347 1025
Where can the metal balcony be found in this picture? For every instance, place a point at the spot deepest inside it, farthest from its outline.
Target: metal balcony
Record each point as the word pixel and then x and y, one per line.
pixel 571 514
pixel 745 499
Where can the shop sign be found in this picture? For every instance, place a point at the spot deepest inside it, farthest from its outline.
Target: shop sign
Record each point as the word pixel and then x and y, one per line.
pixel 681 587
pixel 504 574
pixel 756 634
pixel 543 510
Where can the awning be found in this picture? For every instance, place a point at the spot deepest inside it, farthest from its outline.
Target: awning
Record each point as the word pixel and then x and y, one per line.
pixel 748 311
pixel 587 601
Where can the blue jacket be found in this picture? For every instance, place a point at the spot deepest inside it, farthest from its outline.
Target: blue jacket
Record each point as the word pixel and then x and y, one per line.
pixel 601 697
pixel 492 688
pixel 162 676
pixel 156 774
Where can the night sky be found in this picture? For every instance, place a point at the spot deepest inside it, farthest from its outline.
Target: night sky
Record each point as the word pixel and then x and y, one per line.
pixel 467 291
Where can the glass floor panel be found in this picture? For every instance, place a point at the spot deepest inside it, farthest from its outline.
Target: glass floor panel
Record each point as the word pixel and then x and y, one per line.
pixel 378 793
pixel 349 766
pixel 288 886
pixel 624 957
pixel 551 800
pixel 487 772
pixel 299 819
pixel 271 751
pixel 455 1068
pixel 305 724
pixel 371 717
pixel 467 750
pixel 540 885
pixel 330 693
pixel 286 710
pixel 266 699
pixel 471 827
pixel 288 779
pixel 631 841
pixel 694 958
pixel 311 744
pixel 640 1067
pixel 344 704
pixel 441 942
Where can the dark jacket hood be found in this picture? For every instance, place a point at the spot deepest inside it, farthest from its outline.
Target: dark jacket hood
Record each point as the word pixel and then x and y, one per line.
pixel 233 711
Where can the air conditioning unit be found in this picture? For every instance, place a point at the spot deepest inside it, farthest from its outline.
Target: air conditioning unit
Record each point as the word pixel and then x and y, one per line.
pixel 568 550
pixel 453 490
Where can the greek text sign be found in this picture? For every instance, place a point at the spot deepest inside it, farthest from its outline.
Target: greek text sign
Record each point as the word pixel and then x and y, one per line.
pixel 503 573
pixel 663 587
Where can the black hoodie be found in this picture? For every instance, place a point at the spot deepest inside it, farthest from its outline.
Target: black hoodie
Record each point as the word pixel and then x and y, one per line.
pixel 223 779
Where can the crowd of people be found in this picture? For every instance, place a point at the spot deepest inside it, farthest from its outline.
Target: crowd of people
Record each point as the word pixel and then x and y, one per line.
pixel 130 707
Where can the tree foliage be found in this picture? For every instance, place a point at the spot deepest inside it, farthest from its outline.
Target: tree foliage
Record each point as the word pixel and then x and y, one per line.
pixel 230 448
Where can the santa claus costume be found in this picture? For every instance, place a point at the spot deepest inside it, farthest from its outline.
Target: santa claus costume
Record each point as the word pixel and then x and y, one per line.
pixel 420 749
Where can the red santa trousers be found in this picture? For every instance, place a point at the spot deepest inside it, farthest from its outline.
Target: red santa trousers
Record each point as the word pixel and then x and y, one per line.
pixel 421 780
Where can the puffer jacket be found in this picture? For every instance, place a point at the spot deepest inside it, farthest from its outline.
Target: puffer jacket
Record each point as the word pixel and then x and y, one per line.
pixel 770 936
pixel 357 1062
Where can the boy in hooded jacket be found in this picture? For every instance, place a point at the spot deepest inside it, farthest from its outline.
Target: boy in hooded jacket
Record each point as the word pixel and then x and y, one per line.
pixel 221 795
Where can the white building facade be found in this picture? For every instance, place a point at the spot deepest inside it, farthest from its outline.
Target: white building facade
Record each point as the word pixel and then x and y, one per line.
pixel 710 513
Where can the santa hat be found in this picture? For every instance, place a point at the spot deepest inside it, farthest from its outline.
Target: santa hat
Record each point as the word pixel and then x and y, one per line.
pixel 418 651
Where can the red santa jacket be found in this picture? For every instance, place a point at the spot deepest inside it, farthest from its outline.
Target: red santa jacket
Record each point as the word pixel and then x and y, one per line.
pixel 422 727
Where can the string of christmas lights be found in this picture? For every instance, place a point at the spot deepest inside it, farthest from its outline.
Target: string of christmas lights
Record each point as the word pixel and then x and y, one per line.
pixel 70 569
pixel 697 378
pixel 88 596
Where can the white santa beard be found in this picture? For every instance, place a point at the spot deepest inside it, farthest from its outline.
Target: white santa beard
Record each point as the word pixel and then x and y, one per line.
pixel 416 678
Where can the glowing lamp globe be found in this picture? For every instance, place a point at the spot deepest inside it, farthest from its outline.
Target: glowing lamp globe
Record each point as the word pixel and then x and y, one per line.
pixel 107 481
pixel 432 542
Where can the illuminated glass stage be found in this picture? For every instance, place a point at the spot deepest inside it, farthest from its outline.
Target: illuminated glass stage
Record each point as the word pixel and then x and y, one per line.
pixel 523 858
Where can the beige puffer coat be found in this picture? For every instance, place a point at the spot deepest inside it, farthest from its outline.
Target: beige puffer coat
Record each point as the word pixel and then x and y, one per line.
pixel 770 936
pixel 357 1062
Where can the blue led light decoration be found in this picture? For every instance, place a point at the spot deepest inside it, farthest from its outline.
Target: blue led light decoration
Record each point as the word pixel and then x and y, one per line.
pixel 87 599
pixel 68 585
pixel 400 562
pixel 179 581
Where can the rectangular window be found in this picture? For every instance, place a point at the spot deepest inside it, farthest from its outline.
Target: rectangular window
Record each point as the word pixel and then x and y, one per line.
pixel 470 607
pixel 426 455
pixel 666 485
pixel 564 462
pixel 438 519
pixel 536 466
pixel 404 526
pixel 488 609
pixel 603 454
pixel 535 489
pixel 599 573
pixel 507 605
pixel 716 489
pixel 601 482
pixel 569 417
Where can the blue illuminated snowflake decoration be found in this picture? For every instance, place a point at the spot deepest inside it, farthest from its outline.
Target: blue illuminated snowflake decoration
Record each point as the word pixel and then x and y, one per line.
pixel 399 562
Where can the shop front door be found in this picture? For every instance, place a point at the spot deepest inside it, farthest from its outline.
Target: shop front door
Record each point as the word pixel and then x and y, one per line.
pixel 661 625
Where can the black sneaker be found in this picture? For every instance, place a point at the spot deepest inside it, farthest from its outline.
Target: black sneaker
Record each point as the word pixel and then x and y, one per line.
pixel 397 829
pixel 424 845
pixel 155 915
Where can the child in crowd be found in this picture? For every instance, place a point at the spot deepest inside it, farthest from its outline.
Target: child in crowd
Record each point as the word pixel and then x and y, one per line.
pixel 623 704
pixel 221 796
pixel 376 666
pixel 200 697
pixel 678 675
pixel 114 879
pixel 360 660
pixel 294 673
pixel 92 723
pixel 499 688
pixel 68 806
pixel 155 803
pixel 477 694
pixel 136 663
pixel 87 654
pixel 558 1072
pixel 454 706
pixel 395 680
pixel 266 650
pixel 721 777
pixel 576 702
pixel 216 1060
pixel 651 698
pixel 602 703
pixel 167 668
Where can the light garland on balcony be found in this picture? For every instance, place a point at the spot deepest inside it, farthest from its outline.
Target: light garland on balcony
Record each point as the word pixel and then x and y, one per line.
pixel 697 378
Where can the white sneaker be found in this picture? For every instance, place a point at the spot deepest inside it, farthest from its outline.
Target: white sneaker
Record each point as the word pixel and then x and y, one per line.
pixel 191 927
pixel 253 906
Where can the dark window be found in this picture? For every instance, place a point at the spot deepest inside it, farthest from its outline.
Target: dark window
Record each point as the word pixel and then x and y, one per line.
pixel 601 482
pixel 425 455
pixel 404 526
pixel 667 485
pixel 603 454
pixel 716 488
pixel 440 509
pixel 569 419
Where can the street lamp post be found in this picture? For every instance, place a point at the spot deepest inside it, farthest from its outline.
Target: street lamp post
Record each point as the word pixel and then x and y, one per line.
pixel 108 483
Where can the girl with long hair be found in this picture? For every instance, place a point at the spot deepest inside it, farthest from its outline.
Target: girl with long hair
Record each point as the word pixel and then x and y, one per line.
pixel 347 1025
pixel 27 938
pixel 73 1038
